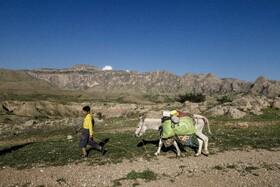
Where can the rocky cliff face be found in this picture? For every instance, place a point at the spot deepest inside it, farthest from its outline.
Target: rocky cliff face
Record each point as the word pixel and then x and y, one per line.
pixel 91 77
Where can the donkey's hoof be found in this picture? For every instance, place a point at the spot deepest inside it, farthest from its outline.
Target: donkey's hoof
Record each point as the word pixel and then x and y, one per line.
pixel 206 153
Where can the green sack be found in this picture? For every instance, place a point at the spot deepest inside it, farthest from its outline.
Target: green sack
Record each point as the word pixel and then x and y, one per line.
pixel 185 126
pixel 167 130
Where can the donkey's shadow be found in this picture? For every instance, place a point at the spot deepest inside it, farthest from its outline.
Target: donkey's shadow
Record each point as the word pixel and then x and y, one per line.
pixel 146 142
pixel 166 149
pixel 155 143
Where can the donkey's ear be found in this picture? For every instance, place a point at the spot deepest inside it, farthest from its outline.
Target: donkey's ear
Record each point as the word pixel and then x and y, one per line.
pixel 142 117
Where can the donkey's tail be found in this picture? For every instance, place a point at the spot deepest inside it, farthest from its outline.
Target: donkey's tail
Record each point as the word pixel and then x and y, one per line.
pixel 206 121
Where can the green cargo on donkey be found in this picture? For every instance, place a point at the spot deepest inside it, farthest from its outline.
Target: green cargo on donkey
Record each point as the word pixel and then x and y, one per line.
pixel 185 126
pixel 167 130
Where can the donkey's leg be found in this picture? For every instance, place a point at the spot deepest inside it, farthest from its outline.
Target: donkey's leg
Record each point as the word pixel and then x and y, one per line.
pixel 177 148
pixel 204 139
pixel 200 142
pixel 159 147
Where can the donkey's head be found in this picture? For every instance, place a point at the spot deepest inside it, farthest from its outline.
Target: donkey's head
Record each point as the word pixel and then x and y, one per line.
pixel 140 128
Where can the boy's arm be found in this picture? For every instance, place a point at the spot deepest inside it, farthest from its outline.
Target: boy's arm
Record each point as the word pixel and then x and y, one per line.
pixel 90 121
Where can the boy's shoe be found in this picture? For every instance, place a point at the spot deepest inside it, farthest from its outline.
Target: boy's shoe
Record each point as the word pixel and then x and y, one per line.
pixel 83 156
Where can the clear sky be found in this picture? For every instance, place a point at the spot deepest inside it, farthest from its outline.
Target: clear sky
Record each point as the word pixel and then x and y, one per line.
pixel 230 38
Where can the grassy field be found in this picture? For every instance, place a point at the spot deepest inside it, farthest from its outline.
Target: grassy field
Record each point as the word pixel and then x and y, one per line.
pixel 50 147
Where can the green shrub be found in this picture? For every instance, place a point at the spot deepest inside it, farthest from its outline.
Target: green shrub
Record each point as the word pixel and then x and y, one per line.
pixel 195 98
pixel 147 175
pixel 224 99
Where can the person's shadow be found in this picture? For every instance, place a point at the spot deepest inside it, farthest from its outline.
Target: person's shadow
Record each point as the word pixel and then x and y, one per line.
pixel 13 148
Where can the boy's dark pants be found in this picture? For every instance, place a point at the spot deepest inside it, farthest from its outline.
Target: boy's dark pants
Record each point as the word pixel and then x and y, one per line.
pixel 84 141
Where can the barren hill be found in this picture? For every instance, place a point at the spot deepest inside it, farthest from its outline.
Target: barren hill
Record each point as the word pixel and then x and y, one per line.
pixel 19 85
pixel 17 79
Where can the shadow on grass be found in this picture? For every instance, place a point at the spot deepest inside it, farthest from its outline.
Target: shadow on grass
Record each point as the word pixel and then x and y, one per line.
pixel 181 146
pixel 102 143
pixel 163 148
pixel 145 142
pixel 13 148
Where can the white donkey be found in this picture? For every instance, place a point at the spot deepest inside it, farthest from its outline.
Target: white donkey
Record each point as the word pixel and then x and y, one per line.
pixel 155 124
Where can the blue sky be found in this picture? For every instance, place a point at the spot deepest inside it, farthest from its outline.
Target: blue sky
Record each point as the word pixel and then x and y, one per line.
pixel 230 38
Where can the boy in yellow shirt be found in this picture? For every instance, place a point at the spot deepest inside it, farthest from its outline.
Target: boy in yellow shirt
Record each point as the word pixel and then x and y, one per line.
pixel 87 133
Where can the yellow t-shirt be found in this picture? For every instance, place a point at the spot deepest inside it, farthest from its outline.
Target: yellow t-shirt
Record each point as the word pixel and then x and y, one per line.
pixel 88 123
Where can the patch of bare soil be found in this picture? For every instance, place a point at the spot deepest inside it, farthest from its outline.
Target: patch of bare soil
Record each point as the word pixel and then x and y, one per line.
pixel 233 168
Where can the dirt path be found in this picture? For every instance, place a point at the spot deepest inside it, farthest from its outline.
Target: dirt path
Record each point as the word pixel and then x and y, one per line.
pixel 233 168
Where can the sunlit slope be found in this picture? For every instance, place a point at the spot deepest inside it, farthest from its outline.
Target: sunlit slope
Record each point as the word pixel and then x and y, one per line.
pixel 20 80
pixel 18 85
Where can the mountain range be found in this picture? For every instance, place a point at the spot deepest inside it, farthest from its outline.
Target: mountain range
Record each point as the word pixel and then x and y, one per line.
pixel 91 78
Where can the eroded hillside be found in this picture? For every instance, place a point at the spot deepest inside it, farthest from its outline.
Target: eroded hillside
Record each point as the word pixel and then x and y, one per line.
pixel 91 78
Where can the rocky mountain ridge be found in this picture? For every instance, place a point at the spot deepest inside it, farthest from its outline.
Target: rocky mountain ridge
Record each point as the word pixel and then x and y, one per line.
pixel 90 78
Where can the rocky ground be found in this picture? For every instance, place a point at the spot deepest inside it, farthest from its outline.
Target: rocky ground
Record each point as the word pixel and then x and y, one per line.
pixel 232 168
